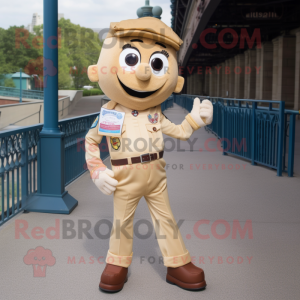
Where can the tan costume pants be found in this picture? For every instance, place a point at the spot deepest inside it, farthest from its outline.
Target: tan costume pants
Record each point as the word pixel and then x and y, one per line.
pixel 148 180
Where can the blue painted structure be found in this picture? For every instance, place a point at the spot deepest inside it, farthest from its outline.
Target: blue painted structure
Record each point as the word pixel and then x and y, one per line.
pixel 19 79
pixel 256 133
pixel 51 196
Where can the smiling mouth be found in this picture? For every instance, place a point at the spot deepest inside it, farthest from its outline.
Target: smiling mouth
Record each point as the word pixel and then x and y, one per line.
pixel 135 93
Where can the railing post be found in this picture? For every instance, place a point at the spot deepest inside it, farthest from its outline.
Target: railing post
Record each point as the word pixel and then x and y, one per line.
pixel 253 132
pixel 24 169
pixel 21 85
pixel 52 197
pixel 291 145
pixel 284 143
pixel 280 138
pixel 39 171
pixel 223 128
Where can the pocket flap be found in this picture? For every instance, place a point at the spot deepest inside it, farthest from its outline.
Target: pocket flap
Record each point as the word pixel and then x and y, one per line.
pixel 153 127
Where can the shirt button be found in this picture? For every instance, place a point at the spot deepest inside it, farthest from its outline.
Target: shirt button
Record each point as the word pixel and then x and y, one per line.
pixel 154 129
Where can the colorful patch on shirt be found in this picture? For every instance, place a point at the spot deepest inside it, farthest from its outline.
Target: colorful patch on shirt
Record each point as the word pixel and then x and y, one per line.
pixel 135 113
pixel 154 119
pixel 95 122
pixel 115 142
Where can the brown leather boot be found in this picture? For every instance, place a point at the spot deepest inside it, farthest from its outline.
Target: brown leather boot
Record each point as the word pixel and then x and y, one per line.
pixel 113 278
pixel 188 277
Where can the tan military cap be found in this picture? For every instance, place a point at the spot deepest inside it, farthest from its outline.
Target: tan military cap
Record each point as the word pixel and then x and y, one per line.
pixel 147 27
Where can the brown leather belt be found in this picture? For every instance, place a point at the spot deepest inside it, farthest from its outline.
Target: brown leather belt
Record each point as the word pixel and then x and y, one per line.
pixel 138 159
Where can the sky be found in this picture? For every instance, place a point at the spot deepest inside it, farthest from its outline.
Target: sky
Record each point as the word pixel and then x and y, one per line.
pixel 88 13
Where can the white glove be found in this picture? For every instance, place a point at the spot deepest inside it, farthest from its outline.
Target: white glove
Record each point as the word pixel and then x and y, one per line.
pixel 105 182
pixel 202 113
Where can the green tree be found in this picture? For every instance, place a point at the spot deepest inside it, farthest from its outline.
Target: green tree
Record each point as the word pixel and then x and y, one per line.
pixel 2 62
pixel 82 47
pixel 64 78
pixel 8 82
pixel 18 47
pixel 4 69
pixel 64 62
pixel 79 47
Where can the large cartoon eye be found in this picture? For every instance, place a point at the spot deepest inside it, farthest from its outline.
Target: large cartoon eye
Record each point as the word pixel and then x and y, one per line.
pixel 159 64
pixel 129 59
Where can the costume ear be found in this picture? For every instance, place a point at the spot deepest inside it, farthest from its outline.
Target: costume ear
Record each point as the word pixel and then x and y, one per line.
pixel 92 73
pixel 179 85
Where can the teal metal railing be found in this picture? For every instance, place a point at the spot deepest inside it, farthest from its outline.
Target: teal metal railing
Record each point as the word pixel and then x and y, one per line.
pixel 19 152
pixel 256 133
pixel 75 130
pixel 18 170
pixel 29 94
pixel 167 104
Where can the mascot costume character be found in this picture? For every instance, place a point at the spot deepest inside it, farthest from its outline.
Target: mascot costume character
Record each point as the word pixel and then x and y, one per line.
pixel 137 69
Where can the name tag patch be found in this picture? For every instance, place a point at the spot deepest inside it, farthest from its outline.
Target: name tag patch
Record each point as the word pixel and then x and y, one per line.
pixel 110 122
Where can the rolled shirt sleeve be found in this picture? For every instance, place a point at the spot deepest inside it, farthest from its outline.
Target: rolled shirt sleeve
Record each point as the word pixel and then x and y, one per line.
pixel 182 131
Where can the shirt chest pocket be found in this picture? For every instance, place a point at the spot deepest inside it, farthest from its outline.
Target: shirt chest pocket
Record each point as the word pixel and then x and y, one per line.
pixel 154 131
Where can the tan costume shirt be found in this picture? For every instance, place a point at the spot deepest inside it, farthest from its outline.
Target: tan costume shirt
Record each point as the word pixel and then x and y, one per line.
pixel 139 135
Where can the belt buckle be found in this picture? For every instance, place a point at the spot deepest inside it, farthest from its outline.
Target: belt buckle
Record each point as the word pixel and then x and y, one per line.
pixel 144 161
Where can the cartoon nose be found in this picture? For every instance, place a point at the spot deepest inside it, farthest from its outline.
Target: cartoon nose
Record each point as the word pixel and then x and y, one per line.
pixel 143 72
